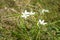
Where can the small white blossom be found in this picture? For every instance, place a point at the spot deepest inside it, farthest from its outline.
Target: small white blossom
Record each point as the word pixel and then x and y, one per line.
pixel 26 14
pixel 44 10
pixel 42 22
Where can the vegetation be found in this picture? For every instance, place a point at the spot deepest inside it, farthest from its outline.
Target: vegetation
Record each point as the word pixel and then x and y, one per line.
pixel 14 27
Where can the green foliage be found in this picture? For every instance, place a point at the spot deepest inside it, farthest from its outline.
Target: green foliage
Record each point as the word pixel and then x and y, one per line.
pixel 14 27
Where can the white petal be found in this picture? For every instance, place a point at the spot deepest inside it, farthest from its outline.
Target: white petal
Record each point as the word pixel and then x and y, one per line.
pixel 43 10
pixel 24 16
pixel 39 20
pixel 44 23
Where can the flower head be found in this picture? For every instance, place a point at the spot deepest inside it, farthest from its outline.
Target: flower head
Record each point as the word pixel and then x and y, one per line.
pixel 42 22
pixel 26 14
pixel 44 10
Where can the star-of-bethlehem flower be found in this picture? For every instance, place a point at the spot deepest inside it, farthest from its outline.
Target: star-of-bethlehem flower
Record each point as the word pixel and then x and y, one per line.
pixel 41 22
pixel 44 10
pixel 25 14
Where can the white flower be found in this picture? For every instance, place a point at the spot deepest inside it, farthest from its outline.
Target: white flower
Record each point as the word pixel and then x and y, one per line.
pixel 26 14
pixel 44 10
pixel 42 22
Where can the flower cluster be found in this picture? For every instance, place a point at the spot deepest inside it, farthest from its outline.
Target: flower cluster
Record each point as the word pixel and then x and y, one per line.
pixel 25 14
